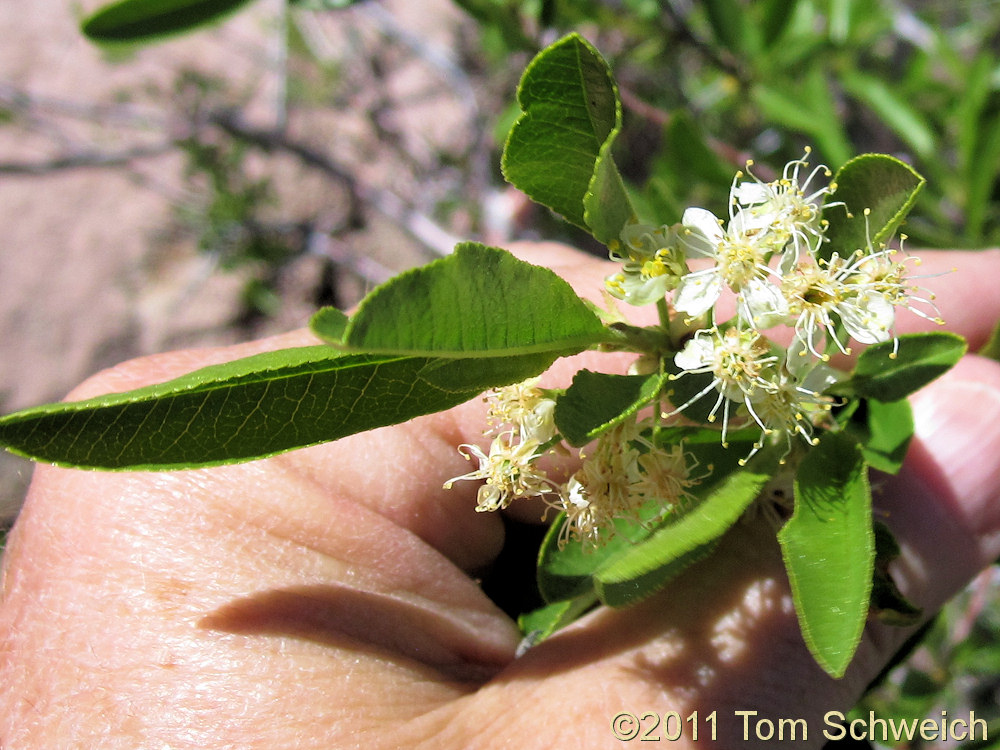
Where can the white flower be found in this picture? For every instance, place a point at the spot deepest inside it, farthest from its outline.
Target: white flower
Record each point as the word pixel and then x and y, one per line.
pixel 740 362
pixel 525 407
pixel 508 472
pixel 878 273
pixel 784 209
pixel 737 358
pixel 796 403
pixel 666 476
pixel 602 489
pixel 766 219
pixel 626 477
pixel 652 264
pixel 589 517
pixel 740 262
pixel 816 292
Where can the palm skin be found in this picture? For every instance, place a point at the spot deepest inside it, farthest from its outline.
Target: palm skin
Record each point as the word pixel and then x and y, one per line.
pixel 324 598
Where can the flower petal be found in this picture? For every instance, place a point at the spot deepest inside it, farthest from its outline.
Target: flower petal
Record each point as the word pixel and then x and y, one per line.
pixel 762 304
pixel 697 353
pixel 869 318
pixel 697 292
pixel 703 231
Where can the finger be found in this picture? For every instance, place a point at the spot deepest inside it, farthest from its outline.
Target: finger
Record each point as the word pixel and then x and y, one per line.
pixel 945 504
pixel 724 638
pixel 398 471
pixel 962 287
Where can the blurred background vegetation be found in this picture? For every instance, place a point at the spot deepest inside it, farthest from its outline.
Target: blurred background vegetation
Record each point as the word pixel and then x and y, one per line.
pixel 379 147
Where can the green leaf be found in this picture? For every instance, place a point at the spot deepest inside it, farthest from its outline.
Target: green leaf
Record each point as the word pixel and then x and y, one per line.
pixel 253 407
pixel 829 550
pixel 887 603
pixel 883 430
pixel 596 402
pixel 882 184
pixel 919 359
pixel 644 568
pixel 981 179
pixel 146 20
pixel 323 4
pixel 539 624
pixel 564 572
pixel 808 107
pixel 685 171
pixel 729 23
pixel 606 206
pixel 558 151
pixel 502 17
pixel 479 301
pixel 991 348
pixel 329 324
pixel 968 115
pixel 777 15
pixel 685 386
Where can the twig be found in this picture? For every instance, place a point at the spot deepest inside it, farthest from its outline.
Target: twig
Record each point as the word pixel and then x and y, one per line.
pixel 458 80
pixel 722 61
pixel 22 101
pixel 420 226
pixel 85 160
pixel 281 68
pixel 661 117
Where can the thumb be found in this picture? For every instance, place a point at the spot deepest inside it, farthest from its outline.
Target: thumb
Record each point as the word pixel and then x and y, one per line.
pixel 723 638
pixel 944 506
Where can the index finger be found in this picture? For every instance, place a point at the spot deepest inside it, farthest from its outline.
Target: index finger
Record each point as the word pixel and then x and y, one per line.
pixel 962 286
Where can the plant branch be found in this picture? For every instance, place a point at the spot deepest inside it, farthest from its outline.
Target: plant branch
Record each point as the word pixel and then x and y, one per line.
pixel 420 226
pixel 720 59
pixel 90 159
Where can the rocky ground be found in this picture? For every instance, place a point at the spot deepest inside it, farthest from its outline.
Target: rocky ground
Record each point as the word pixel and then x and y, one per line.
pixel 89 274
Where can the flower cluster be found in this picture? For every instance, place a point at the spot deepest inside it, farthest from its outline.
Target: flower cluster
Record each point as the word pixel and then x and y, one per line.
pixel 522 418
pixel 623 477
pixel 770 258
pixel 626 475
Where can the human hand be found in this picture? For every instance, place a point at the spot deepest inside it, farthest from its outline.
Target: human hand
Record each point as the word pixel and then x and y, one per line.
pixel 323 598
